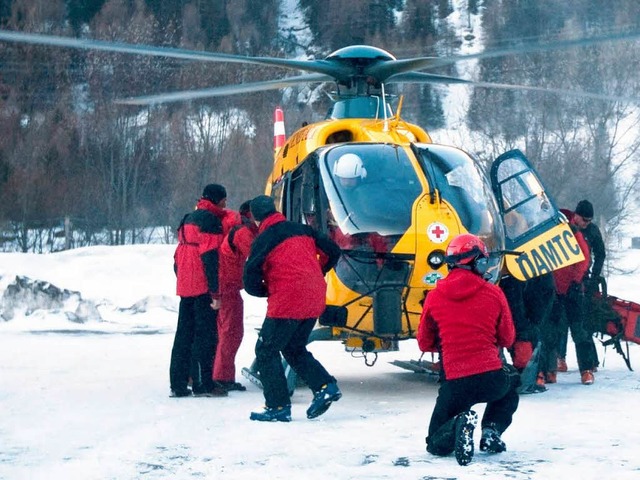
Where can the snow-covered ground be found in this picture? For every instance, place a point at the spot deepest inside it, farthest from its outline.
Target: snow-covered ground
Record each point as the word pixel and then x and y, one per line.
pixel 90 400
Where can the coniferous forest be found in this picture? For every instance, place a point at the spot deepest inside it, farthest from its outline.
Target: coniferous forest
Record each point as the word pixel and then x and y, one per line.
pixel 69 153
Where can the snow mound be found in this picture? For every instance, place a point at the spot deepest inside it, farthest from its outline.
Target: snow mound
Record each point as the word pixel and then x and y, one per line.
pixel 26 296
pixel 152 302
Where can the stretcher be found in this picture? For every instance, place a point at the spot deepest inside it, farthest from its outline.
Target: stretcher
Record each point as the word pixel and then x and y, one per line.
pixel 629 325
pixel 619 319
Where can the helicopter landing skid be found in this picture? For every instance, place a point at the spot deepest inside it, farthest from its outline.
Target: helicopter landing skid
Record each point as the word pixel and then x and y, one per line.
pixel 419 366
pixel 253 376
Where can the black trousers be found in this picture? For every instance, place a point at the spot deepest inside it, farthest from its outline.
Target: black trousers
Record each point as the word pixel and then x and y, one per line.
pixel 569 310
pixel 289 337
pixel 563 337
pixel 496 388
pixel 531 303
pixel 194 345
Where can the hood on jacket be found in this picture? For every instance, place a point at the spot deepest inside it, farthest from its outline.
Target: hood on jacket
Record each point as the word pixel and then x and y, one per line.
pixel 272 219
pixel 206 204
pixel 460 284
pixel 567 213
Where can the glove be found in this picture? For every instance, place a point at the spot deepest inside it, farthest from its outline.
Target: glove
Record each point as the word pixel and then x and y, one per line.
pixel 510 370
pixel 591 285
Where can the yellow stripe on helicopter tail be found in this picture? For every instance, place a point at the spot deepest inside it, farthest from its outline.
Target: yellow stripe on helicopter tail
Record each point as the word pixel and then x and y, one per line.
pixel 549 251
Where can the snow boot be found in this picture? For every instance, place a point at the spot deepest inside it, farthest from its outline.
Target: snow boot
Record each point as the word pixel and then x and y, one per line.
pixel 323 399
pixel 272 414
pixel 491 441
pixel 586 377
pixel 214 391
pixel 232 386
pixel 464 426
pixel 180 392
pixel 562 364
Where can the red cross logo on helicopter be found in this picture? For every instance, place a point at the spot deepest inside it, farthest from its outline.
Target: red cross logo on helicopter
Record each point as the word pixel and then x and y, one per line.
pixel 437 232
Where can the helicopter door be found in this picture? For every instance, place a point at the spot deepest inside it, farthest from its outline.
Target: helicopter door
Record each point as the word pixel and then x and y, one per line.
pixel 533 225
pixel 302 198
pixel 279 193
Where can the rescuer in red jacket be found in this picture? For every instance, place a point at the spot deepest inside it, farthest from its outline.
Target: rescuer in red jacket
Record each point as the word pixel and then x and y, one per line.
pixel 196 263
pixel 570 304
pixel 234 251
pixel 467 321
pixel 287 265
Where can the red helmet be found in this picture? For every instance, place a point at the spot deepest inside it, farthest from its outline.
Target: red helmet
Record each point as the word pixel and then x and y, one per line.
pixel 464 250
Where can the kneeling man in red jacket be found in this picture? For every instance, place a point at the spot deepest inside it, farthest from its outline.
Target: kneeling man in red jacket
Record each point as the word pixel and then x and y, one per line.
pixel 467 320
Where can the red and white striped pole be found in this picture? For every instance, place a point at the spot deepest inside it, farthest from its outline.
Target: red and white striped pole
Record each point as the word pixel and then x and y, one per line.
pixel 278 130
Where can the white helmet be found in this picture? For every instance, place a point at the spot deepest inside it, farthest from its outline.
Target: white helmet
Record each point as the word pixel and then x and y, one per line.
pixel 349 165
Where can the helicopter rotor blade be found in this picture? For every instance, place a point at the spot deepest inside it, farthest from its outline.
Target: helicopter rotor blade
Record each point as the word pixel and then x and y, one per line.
pixel 384 70
pixel 224 90
pixel 420 77
pixel 318 66
pixel 341 69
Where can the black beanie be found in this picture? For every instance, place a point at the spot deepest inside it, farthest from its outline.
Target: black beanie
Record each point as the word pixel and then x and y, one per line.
pixel 214 192
pixel 245 209
pixel 261 207
pixel 585 209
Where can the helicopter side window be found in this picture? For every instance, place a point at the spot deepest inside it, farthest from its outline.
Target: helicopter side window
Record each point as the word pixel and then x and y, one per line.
pixel 302 195
pixel 295 197
pixel 278 195
pixel 340 137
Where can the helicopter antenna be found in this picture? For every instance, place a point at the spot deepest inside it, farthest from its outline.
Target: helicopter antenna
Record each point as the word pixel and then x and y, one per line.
pixel 399 107
pixel 384 108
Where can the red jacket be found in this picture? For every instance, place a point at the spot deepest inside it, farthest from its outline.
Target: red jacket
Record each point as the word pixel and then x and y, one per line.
pixel 287 264
pixel 196 260
pixel 573 274
pixel 467 320
pixel 234 252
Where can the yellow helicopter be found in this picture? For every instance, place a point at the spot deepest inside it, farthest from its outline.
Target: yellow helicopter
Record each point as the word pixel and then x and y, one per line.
pixel 378 185
pixel 393 200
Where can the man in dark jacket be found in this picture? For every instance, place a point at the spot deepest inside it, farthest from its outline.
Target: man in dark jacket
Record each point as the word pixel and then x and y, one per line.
pixel 467 321
pixel 196 264
pixel 569 312
pixel 582 218
pixel 287 265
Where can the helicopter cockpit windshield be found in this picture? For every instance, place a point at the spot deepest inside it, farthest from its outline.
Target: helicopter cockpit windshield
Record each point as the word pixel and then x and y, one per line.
pixel 371 188
pixel 460 182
